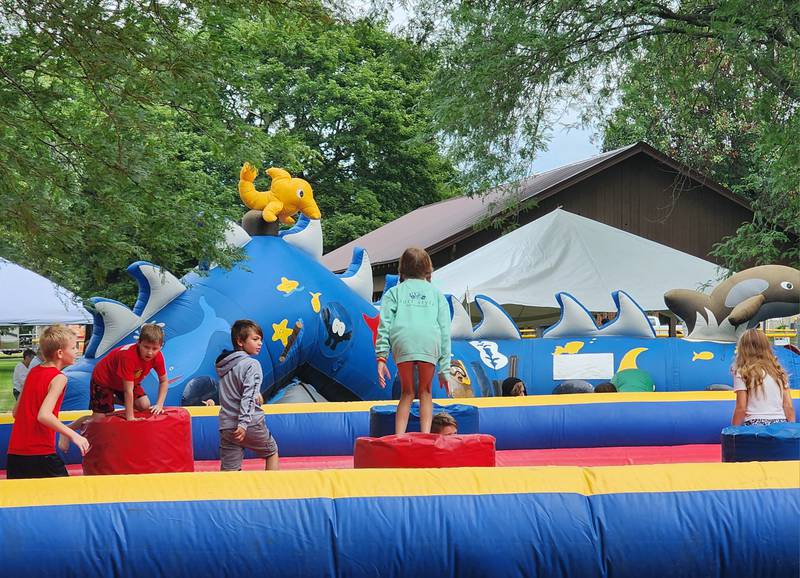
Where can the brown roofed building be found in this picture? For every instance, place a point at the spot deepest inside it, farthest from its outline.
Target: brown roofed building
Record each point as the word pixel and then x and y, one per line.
pixel 635 188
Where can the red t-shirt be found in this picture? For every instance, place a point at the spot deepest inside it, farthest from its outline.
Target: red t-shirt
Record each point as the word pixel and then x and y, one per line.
pixel 28 436
pixel 124 363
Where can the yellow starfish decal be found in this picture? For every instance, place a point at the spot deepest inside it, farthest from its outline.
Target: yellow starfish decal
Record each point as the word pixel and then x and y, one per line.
pixel 287 285
pixel 315 301
pixel 280 332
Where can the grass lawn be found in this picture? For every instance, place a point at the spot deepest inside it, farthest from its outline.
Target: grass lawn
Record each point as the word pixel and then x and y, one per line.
pixel 7 363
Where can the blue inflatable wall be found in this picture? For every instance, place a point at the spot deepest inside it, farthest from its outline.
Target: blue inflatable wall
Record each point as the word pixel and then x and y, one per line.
pixel 535 422
pixel 627 521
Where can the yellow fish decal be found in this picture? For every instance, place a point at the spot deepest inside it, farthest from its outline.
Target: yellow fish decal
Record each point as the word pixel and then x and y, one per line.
pixel 629 359
pixel 703 355
pixel 315 301
pixel 287 285
pixel 569 348
pixel 280 332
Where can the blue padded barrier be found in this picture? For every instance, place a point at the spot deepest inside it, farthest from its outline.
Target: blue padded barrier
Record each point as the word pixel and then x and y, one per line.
pixel 525 426
pixel 761 443
pixel 381 418
pixel 548 533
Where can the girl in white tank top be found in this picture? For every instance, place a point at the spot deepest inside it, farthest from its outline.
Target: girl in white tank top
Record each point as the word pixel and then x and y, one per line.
pixel 760 383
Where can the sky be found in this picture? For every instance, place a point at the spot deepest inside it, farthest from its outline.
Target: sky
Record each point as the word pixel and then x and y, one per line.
pixel 567 145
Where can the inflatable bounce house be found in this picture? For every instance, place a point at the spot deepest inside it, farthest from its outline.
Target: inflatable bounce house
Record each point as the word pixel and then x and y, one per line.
pixel 321 328
pixel 626 484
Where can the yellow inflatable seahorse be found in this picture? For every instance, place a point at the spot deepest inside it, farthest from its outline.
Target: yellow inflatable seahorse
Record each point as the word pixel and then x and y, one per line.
pixel 286 196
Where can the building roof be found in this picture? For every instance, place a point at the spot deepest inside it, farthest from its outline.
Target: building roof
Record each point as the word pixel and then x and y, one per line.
pixel 441 224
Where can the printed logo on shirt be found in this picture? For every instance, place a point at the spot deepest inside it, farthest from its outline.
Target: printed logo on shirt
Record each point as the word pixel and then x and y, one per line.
pixel 137 373
pixel 416 299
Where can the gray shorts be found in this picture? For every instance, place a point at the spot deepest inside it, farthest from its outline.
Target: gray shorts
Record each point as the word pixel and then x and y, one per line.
pixel 257 438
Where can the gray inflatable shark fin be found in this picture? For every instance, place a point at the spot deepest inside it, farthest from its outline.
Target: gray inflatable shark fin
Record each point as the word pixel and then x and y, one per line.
pixel 575 319
pixel 631 320
pixel 358 276
pixel 460 323
pixel 495 322
pixel 306 235
pixel 112 321
pixel 157 287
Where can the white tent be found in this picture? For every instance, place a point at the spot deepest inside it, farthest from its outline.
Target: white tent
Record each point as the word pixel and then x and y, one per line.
pixel 29 299
pixel 565 252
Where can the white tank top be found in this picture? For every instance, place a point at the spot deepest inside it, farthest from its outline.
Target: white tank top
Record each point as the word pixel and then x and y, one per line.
pixel 765 402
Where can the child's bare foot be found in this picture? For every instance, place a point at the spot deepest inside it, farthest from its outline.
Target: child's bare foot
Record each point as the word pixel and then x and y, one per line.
pixel 63 443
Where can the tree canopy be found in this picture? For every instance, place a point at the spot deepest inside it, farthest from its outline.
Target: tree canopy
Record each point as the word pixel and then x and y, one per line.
pixel 123 126
pixel 715 83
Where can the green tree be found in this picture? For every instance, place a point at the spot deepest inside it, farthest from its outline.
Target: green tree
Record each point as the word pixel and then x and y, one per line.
pixel 123 127
pixel 350 92
pixel 508 65
pixel 736 129
pixel 115 123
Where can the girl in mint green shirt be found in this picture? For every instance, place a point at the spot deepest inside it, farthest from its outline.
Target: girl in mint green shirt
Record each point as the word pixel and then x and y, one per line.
pixel 415 327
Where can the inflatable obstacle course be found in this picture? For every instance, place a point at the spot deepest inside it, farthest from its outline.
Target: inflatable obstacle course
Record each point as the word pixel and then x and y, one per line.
pixel 534 422
pixel 566 520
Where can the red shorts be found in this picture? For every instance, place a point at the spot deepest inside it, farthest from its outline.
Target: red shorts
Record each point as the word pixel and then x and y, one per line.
pixel 102 398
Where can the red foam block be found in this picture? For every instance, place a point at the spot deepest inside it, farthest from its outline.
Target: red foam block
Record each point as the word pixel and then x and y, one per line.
pixel 418 450
pixel 154 444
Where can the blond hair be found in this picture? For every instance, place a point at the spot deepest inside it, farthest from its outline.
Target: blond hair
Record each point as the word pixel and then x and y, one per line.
pixel 151 333
pixel 755 360
pixel 415 263
pixel 54 338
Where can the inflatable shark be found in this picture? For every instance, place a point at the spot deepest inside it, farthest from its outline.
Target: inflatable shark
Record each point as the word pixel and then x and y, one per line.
pixel 320 328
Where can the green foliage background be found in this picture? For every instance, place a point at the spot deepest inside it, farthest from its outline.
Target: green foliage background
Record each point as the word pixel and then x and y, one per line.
pixel 714 83
pixel 123 127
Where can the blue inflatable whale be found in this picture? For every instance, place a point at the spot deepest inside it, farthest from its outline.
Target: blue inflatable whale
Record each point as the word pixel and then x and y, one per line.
pixel 315 325
pixel 320 327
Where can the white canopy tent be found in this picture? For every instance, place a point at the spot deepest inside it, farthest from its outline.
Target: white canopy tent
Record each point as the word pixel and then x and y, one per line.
pixel 27 298
pixel 565 252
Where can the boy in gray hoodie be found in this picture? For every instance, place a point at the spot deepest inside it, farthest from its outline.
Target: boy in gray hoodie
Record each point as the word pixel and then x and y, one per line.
pixel 241 419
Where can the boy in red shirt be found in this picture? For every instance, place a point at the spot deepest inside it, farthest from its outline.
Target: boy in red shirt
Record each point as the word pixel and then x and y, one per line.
pixel 32 447
pixel 118 376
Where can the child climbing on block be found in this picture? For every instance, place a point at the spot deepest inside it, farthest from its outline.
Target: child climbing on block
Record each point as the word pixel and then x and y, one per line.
pixel 241 419
pixel 415 326
pixel 760 383
pixel 118 377
pixel 32 447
